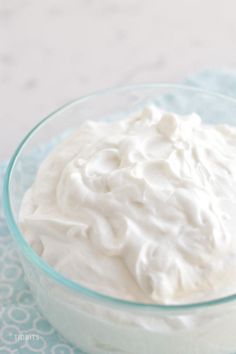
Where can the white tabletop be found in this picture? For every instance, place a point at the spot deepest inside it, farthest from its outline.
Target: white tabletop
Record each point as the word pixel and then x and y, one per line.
pixel 55 50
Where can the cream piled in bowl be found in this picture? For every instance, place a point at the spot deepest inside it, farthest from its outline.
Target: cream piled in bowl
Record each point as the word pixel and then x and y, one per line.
pixel 125 217
pixel 141 209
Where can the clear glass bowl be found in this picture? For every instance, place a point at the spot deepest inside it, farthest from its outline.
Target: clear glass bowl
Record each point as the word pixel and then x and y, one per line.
pixel 96 323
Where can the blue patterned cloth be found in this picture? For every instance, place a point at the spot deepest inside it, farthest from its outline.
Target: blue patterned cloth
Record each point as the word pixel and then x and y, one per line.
pixel 22 328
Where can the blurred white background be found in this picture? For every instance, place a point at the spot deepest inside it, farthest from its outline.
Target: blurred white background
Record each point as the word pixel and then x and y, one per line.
pixel 52 51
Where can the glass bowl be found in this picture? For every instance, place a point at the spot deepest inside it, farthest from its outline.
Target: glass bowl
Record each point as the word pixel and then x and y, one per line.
pixel 96 323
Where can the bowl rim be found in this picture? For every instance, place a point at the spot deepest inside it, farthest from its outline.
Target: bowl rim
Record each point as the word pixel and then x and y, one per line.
pixel 46 268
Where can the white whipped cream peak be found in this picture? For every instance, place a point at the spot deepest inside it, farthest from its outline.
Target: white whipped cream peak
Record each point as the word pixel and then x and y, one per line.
pixel 142 209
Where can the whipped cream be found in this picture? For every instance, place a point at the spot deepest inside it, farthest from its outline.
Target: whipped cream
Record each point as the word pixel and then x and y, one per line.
pixel 142 209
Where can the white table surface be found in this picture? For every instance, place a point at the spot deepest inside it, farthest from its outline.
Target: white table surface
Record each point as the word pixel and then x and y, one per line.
pixel 52 51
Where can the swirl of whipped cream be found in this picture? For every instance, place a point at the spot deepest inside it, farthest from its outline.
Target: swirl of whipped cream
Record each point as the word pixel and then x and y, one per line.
pixel 141 209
